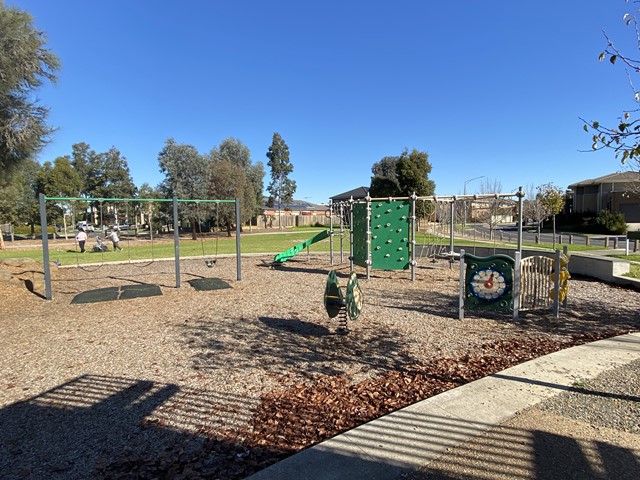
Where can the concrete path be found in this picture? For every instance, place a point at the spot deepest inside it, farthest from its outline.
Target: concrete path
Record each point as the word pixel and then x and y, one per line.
pixel 400 443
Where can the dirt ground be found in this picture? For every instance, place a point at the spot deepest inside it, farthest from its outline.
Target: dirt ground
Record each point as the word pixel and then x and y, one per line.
pixel 222 383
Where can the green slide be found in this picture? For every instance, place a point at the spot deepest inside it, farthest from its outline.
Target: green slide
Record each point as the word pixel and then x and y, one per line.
pixel 287 254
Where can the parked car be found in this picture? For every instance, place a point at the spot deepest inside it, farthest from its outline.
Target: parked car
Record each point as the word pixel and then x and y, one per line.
pixel 86 226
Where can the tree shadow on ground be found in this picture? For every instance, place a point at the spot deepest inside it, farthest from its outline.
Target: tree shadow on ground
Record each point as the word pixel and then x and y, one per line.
pixel 97 426
pixel 273 345
pixel 584 315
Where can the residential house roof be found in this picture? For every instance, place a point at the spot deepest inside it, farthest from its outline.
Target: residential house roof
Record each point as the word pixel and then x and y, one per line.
pixel 356 194
pixel 620 177
pixel 295 205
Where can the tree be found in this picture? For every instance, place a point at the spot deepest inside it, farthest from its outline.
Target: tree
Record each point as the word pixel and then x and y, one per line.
pixel 281 188
pixel 384 182
pixel 413 171
pixel 490 209
pixel 623 137
pixel 187 176
pixel 245 182
pixel 402 176
pixel 25 64
pixel 88 164
pixel 227 182
pixel 552 199
pixel 533 207
pixel 61 180
pixel 18 199
pixel 114 178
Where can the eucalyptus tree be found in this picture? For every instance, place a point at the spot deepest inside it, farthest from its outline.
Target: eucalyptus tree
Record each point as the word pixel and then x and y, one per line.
pixel 25 65
pixel 149 211
pixel 281 188
pixel 18 197
pixel 187 176
pixel 246 182
pixel 229 182
pixel 60 179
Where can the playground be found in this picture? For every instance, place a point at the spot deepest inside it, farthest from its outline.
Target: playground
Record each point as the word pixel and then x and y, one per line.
pixel 222 382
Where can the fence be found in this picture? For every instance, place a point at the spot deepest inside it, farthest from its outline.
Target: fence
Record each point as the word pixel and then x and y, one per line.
pixel 271 221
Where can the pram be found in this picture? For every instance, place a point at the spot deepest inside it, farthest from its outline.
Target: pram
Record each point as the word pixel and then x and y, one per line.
pixel 100 246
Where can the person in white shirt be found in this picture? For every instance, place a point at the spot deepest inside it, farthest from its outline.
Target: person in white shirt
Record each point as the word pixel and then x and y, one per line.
pixel 113 236
pixel 81 238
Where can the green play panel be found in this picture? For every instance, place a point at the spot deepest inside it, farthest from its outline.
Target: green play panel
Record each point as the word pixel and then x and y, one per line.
pixel 124 292
pixel 206 284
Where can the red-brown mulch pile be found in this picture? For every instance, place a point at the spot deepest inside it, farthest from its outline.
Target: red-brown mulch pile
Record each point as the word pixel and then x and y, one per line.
pixel 292 419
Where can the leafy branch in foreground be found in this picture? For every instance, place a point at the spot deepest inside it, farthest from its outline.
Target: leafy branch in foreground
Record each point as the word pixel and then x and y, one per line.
pixel 624 138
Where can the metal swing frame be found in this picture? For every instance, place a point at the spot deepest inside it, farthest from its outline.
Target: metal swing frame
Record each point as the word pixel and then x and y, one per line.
pixel 42 199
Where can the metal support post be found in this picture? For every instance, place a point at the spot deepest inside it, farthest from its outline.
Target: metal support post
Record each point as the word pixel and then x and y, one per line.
pixel 238 259
pixel 45 247
pixel 341 209
pixel 176 240
pixel 351 236
pixel 556 285
pixel 368 262
pixel 452 211
pixel 463 283
pixel 520 209
pixel 412 240
pixel 331 232
pixel 517 278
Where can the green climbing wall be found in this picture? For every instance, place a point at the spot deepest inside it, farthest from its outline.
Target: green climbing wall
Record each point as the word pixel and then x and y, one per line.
pixel 390 229
pixel 359 234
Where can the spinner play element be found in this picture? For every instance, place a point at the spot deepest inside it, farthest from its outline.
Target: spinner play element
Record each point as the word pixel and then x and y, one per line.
pixel 488 284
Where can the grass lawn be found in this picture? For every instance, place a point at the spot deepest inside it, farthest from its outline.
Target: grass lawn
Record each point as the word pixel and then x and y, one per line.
pixel 207 246
pixel 634 271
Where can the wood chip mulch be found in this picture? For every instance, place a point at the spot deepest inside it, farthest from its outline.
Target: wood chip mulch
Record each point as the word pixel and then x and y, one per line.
pixel 290 420
pixel 220 384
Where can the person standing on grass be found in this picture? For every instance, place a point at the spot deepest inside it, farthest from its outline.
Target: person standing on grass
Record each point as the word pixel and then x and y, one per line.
pixel 113 236
pixel 81 238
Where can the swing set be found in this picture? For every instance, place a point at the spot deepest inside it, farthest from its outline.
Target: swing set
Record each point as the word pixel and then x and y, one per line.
pixel 209 262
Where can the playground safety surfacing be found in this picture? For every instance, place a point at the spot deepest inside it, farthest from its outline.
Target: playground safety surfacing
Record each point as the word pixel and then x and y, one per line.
pixel 123 292
pixel 207 284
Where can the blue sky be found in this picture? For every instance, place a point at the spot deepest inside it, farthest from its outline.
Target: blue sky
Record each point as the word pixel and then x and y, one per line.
pixel 492 88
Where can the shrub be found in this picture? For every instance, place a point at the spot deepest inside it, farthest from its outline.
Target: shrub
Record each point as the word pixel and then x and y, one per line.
pixel 608 222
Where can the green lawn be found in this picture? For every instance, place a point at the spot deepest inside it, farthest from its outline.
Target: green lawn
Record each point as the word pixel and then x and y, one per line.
pixel 207 246
pixel 633 257
pixel 634 271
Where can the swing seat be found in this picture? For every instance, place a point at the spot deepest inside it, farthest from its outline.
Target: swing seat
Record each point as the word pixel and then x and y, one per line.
pixel 448 256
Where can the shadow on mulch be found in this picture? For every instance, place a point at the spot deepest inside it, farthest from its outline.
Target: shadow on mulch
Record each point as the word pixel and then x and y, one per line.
pixel 105 427
pixel 208 284
pixel 123 292
pixel 313 349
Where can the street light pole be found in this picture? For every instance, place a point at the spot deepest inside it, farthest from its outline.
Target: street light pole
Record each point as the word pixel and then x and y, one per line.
pixel 464 204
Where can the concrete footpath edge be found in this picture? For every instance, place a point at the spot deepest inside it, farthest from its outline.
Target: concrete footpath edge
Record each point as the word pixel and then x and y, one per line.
pixel 407 439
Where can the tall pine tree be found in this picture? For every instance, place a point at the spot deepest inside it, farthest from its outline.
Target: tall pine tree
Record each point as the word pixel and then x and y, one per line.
pixel 281 188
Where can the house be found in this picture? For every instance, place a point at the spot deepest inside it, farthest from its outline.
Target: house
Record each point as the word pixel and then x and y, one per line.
pixel 355 194
pixel 294 207
pixel 617 192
